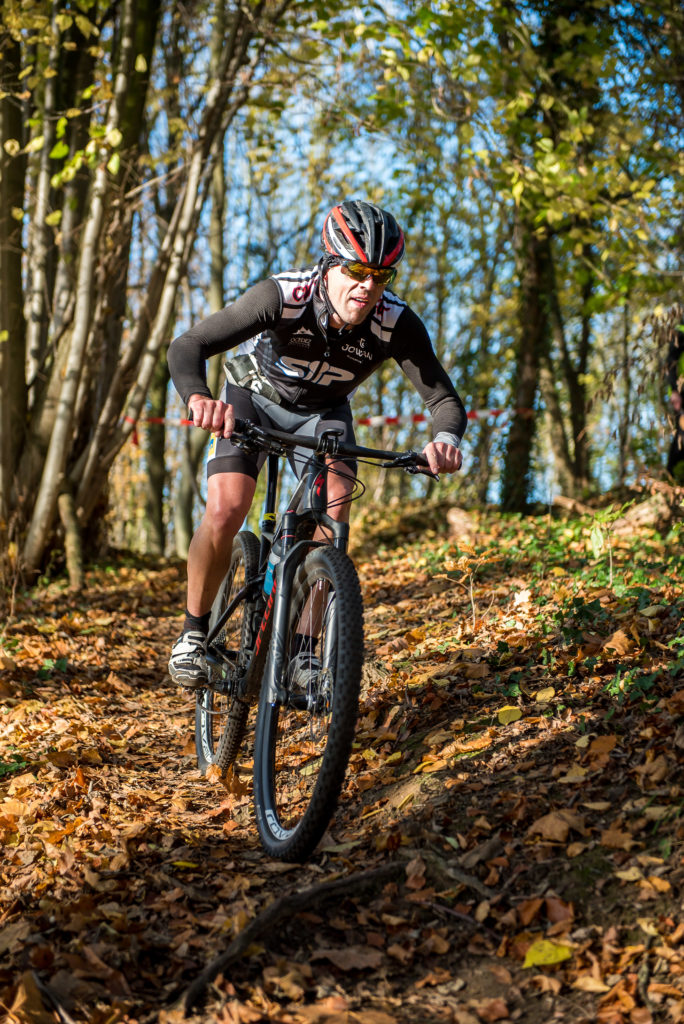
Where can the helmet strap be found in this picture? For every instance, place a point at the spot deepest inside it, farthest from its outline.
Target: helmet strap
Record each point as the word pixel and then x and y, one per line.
pixel 324 264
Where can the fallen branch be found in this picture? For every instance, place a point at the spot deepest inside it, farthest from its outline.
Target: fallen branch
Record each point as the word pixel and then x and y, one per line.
pixel 573 505
pixel 285 907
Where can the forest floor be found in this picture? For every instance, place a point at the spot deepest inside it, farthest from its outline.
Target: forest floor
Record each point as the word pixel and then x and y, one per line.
pixel 508 845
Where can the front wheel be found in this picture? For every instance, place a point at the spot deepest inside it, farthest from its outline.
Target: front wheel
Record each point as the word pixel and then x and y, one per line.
pixel 303 741
pixel 220 719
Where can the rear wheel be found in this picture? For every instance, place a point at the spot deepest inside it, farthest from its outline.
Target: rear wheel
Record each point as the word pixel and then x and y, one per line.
pixel 303 741
pixel 221 719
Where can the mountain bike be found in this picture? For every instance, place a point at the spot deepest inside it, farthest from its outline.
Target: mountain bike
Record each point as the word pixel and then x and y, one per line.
pixel 286 630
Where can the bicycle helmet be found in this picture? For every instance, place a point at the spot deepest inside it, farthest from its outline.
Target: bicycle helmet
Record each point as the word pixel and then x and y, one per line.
pixel 362 232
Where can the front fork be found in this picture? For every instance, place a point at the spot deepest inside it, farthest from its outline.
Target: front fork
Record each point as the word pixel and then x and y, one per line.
pixel 274 672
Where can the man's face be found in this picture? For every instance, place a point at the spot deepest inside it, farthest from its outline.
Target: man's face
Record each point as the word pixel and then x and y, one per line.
pixel 352 300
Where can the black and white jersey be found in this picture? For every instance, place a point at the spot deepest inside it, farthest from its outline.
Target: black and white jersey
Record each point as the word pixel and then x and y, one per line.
pixel 283 321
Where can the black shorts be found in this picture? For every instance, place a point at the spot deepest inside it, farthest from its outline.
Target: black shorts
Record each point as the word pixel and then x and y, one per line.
pixel 225 457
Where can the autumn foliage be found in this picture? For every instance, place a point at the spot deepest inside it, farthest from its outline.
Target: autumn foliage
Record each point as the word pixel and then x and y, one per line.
pixel 515 785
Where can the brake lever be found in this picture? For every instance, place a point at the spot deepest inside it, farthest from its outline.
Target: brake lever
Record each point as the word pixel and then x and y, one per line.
pixel 407 462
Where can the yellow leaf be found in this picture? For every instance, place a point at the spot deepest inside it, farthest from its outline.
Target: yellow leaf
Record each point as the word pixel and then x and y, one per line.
pixel 556 570
pixel 545 695
pixel 508 714
pixel 633 874
pixel 544 953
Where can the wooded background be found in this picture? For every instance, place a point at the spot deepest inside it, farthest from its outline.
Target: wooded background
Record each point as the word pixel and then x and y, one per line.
pixel 157 158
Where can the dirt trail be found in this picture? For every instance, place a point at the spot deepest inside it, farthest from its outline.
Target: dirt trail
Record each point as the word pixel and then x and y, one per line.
pixel 539 853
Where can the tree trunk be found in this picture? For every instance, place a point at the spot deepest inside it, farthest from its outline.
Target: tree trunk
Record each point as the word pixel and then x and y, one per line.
pixel 56 458
pixel 40 248
pixel 533 312
pixel 155 448
pixel 12 324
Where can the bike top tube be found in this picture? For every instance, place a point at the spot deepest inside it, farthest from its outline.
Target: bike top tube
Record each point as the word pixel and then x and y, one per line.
pixel 270 439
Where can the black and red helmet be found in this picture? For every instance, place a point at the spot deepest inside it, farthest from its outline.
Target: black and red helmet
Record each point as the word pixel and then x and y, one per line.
pixel 362 232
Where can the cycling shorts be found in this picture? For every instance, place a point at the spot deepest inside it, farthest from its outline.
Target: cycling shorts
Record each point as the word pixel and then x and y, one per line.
pixel 225 457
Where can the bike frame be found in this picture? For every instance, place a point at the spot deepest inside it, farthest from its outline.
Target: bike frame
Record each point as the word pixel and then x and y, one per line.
pixel 307 509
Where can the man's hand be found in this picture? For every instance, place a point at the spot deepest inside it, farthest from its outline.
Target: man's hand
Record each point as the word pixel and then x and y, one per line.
pixel 442 457
pixel 213 415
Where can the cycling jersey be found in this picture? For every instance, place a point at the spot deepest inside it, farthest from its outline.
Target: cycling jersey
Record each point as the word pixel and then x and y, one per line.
pixel 284 322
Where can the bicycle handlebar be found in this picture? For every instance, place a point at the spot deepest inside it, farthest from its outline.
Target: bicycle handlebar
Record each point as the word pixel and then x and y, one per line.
pixel 326 444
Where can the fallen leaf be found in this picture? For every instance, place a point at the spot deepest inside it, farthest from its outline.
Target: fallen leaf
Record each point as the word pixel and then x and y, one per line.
pixel 602 745
pixel 544 953
pixel 490 1009
pixel 616 839
pixel 545 695
pixel 632 874
pixel 28 1005
pixel 576 773
pixel 588 983
pixel 619 642
pixel 547 983
pixel 556 825
pixel 13 935
pixel 508 714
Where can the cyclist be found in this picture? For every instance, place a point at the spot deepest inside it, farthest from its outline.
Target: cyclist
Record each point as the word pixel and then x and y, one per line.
pixel 305 339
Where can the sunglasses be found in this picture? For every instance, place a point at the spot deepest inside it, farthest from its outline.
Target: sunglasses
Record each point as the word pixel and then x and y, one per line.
pixel 360 271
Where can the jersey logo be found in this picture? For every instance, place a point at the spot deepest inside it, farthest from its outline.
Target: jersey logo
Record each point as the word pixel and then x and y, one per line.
pixel 302 292
pixel 357 351
pixel 302 338
pixel 315 372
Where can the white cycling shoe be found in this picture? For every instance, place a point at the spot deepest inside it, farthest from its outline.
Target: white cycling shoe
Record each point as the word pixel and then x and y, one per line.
pixel 188 663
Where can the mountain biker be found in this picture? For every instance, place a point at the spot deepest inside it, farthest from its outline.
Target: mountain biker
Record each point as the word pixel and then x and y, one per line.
pixel 305 340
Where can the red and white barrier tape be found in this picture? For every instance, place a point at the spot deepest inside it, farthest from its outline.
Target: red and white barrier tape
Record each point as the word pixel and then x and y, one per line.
pixel 362 421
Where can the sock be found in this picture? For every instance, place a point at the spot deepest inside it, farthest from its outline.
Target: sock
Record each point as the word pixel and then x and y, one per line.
pixel 197 622
pixel 305 643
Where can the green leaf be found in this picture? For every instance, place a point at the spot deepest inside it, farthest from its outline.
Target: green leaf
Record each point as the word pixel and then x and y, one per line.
pixel 59 150
pixel 114 163
pixel 596 540
pixel 53 218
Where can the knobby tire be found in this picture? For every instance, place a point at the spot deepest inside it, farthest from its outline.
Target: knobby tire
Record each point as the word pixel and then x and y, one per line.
pixel 302 752
pixel 221 721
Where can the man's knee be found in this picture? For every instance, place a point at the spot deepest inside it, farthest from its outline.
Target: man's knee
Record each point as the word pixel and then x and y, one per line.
pixel 229 497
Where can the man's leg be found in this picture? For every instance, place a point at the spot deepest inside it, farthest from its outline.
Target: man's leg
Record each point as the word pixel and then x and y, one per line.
pixel 229 497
